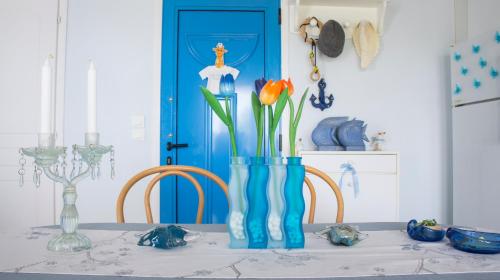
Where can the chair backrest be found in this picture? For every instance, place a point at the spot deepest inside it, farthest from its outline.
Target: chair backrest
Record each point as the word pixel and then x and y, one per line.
pixel 165 171
pixel 332 185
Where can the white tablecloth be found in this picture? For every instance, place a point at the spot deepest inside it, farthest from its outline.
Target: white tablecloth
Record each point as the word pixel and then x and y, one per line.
pixel 116 253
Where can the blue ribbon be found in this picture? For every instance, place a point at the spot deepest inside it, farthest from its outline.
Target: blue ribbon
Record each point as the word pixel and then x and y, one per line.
pixel 348 168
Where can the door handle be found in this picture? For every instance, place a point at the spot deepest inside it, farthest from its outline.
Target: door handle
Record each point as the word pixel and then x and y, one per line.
pixel 171 146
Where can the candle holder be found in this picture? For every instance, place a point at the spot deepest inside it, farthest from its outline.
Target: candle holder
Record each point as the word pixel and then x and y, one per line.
pixel 51 160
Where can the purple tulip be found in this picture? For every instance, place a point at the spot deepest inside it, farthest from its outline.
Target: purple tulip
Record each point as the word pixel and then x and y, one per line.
pixel 259 84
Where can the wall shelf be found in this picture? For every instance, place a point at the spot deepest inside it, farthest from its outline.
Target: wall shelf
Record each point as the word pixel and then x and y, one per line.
pixel 347 12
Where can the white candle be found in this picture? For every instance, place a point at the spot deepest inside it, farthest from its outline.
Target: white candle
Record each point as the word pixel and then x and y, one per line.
pixel 91 100
pixel 46 99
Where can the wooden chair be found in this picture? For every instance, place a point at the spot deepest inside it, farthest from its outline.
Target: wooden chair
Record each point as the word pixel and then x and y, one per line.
pixel 165 171
pixel 180 170
pixel 332 185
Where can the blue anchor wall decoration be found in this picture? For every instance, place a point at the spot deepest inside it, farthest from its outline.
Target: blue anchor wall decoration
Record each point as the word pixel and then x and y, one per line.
pixel 322 104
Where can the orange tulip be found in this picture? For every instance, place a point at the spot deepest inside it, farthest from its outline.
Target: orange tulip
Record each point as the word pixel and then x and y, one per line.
pixel 270 92
pixel 290 87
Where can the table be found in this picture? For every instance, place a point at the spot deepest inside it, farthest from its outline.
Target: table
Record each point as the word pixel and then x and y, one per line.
pixel 387 253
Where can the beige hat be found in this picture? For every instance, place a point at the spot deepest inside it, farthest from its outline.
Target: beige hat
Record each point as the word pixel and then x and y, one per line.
pixel 366 42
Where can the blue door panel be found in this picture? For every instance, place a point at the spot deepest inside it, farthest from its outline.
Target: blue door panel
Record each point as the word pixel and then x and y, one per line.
pixel 253 49
pixel 242 34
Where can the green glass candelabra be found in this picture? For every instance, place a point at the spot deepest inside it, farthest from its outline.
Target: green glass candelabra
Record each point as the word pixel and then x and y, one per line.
pixel 51 160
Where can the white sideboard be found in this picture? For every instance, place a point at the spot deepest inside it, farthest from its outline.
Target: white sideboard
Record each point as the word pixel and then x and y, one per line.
pixel 378 177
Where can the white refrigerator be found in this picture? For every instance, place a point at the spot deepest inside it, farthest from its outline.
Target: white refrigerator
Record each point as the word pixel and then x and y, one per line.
pixel 475 92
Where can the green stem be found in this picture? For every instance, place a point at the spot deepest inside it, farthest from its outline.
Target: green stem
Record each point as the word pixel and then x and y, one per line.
pixel 260 131
pixel 291 128
pixel 272 144
pixel 232 136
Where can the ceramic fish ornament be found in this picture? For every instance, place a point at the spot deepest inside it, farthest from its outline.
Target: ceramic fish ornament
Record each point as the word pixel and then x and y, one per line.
pixel 352 135
pixel 324 136
pixel 366 42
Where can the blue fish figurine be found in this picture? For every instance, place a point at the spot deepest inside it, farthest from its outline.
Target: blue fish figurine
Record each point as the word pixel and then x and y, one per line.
pixel 351 135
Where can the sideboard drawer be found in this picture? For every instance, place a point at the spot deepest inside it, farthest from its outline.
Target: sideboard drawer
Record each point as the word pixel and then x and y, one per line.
pixel 378 175
pixel 372 163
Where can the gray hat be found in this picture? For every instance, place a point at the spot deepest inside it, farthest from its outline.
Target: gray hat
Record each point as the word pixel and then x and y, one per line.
pixel 331 39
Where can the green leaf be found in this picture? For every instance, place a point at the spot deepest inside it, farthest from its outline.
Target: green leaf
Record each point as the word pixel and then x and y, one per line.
pixel 299 110
pixel 280 106
pixel 215 105
pixel 256 108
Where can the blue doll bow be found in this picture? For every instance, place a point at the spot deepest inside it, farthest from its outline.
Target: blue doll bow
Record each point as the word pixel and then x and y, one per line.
pixel 348 168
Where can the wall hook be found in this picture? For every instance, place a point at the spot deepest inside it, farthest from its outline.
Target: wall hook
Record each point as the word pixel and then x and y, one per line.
pixel 322 103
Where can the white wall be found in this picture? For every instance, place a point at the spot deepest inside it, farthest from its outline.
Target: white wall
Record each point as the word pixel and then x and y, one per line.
pixel 483 17
pixel 28 31
pixel 405 93
pixel 123 38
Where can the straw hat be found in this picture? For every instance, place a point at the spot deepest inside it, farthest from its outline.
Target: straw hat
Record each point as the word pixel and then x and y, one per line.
pixel 331 39
pixel 366 42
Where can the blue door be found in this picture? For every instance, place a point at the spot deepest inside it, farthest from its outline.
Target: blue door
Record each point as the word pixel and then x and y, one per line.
pixel 249 30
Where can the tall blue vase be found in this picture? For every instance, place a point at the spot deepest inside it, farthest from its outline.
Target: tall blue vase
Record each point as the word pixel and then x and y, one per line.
pixel 294 203
pixel 275 192
pixel 257 203
pixel 237 203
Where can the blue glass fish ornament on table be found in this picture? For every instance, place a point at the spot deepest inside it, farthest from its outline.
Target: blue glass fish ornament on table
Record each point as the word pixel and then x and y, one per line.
pixel 164 237
pixel 343 235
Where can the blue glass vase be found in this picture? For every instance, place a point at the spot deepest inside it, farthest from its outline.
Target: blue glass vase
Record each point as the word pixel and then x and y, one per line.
pixel 257 203
pixel 294 203
pixel 275 192
pixel 237 203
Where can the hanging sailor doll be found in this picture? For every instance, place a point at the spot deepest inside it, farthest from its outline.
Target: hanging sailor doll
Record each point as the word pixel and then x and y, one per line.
pixel 214 72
